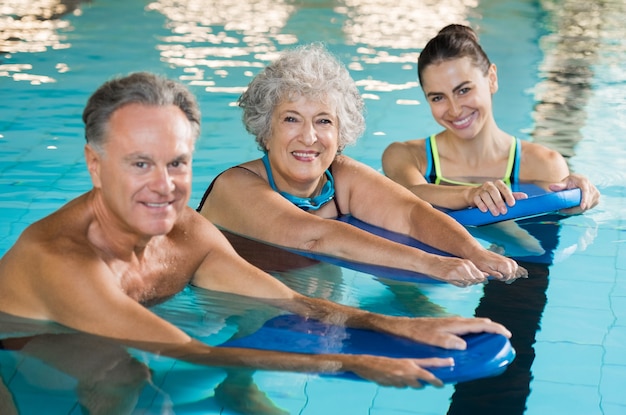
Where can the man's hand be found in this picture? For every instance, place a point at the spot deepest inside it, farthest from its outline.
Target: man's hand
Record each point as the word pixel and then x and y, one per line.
pixel 437 331
pixel 400 373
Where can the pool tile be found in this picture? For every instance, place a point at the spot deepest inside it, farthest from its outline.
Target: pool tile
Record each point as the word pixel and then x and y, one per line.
pixel 575 293
pixel 576 325
pixel 612 384
pixel 613 409
pixel 286 390
pixel 615 346
pixel 620 284
pixel 347 397
pixel 594 242
pixel 415 401
pixel 618 305
pixel 562 398
pixel 584 268
pixel 567 363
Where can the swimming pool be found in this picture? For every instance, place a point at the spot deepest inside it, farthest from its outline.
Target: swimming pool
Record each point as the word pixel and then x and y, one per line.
pixel 562 82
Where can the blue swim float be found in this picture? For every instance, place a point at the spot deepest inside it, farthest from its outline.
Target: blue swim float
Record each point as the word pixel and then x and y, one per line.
pixel 539 202
pixel 487 354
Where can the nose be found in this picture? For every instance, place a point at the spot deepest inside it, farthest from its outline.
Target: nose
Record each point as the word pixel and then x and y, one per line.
pixel 309 135
pixel 454 108
pixel 161 181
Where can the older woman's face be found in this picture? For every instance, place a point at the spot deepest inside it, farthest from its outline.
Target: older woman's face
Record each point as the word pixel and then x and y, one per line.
pixel 303 142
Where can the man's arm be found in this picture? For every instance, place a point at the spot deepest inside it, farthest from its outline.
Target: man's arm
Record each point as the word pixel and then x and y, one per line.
pixel 87 298
pixel 224 270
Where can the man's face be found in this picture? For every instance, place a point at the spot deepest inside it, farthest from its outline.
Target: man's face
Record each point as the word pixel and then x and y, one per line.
pixel 145 172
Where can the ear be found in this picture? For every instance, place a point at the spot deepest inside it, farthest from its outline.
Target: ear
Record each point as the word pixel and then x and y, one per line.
pixel 92 158
pixel 492 74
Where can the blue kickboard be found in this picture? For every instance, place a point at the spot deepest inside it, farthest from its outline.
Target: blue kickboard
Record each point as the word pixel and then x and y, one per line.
pixel 486 355
pixel 539 202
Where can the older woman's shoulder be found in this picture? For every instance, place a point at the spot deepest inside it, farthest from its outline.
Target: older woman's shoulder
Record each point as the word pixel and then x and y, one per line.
pixel 342 162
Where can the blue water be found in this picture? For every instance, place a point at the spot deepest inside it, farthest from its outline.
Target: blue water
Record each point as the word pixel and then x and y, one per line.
pixel 562 83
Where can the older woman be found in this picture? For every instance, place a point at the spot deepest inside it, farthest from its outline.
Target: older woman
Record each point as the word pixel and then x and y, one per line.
pixel 303 109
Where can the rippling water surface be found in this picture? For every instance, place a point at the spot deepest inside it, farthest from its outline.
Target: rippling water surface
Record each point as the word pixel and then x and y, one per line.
pixel 562 76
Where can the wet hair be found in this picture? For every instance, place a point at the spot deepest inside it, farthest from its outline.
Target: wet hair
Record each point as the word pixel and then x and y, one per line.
pixel 308 71
pixel 453 42
pixel 137 88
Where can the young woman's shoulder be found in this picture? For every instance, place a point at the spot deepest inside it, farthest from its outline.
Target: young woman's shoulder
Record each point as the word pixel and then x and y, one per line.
pixel 415 147
pixel 542 163
pixel 539 153
pixel 401 157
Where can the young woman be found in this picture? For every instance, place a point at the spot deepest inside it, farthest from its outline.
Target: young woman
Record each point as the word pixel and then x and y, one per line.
pixel 472 154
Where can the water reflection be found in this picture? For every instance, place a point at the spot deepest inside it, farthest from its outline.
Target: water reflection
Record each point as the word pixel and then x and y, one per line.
pixel 212 40
pixel 402 24
pixel 578 30
pixel 31 27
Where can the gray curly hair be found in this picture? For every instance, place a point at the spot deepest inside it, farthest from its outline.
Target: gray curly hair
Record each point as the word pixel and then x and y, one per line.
pixel 308 71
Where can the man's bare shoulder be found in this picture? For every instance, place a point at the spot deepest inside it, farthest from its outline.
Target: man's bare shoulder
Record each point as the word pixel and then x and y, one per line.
pixel 194 234
pixel 48 252
pixel 66 226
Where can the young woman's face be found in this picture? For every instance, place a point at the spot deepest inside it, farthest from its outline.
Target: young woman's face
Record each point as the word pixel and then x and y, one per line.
pixel 459 95
pixel 303 143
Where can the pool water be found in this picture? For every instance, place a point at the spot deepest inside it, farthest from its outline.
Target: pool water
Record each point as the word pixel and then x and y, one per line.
pixel 562 81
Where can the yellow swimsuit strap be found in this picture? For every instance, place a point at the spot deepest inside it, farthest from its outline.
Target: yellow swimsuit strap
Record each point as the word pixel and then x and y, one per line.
pixel 440 178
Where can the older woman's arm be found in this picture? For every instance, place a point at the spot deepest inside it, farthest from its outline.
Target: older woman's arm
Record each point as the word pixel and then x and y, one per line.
pixel 243 203
pixel 378 200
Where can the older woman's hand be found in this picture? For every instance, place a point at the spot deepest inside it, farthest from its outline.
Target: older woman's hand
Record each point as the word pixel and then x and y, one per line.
pixel 498 266
pixel 456 271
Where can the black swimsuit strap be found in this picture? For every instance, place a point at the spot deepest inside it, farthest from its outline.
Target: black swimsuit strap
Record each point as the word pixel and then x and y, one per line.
pixel 210 188
pixel 330 169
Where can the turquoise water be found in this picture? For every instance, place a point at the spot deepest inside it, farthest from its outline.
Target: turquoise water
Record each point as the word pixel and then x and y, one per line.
pixel 562 82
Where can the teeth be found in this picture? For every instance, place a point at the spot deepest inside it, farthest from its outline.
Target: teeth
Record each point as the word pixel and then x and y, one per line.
pixel 157 205
pixel 463 121
pixel 309 155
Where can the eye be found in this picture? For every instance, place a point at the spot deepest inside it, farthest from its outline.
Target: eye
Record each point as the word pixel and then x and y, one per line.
pixel 325 121
pixel 436 98
pixel 179 164
pixel 464 91
pixel 141 164
pixel 290 118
